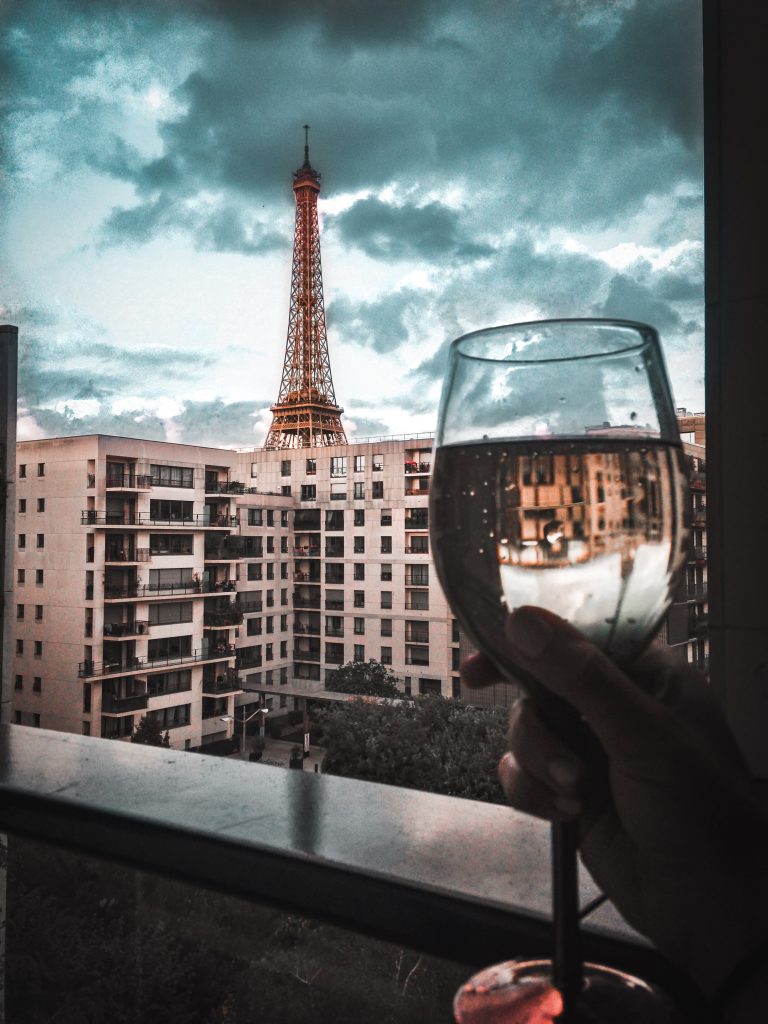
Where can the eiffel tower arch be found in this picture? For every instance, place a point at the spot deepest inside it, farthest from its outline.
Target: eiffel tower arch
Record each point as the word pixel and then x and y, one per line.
pixel 306 414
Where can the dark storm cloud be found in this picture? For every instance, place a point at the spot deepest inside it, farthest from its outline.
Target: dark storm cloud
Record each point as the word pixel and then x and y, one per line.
pixel 381 324
pixel 629 300
pixel 217 422
pixel 367 427
pixel 409 231
pixel 544 115
pixel 124 424
pixel 83 368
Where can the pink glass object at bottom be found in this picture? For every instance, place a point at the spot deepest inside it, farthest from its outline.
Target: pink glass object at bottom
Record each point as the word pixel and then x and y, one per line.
pixel 521 992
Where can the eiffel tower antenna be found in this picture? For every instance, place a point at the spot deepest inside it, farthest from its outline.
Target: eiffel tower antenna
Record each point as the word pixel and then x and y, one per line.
pixel 306 414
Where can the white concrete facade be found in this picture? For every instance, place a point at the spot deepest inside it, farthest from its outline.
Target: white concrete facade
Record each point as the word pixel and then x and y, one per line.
pixel 170 580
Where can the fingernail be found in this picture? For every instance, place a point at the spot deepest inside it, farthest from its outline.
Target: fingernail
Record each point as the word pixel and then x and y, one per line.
pixel 568 806
pixel 529 632
pixel 564 773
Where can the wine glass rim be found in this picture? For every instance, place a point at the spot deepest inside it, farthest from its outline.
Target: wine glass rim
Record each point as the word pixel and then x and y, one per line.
pixel 646 335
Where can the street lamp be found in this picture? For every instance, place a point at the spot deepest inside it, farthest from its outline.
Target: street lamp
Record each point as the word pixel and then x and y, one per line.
pixel 244 720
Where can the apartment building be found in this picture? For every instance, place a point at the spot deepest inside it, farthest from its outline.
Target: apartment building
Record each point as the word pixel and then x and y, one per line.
pixel 183 582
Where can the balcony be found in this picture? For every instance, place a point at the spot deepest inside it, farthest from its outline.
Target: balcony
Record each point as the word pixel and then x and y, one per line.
pixel 697 592
pixel 228 487
pixel 306 600
pixel 197 520
pixel 126 555
pixel 111 705
pixel 418 485
pixel 93 670
pixel 218 620
pixel 698 481
pixel 128 481
pixel 334 604
pixel 414 579
pixel 417 468
pixel 417 656
pixel 335 631
pixel 307 551
pixel 300 654
pixel 226 682
pixel 302 630
pixel 306 577
pixel 417 522
pixel 147 592
pixel 249 605
pixel 126 630
pixel 699 515
pixel 698 554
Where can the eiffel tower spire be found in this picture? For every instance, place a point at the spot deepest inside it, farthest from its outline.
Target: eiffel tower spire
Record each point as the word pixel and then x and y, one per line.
pixel 306 414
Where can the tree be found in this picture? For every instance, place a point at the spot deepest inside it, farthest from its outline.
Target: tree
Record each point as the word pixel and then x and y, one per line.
pixel 431 743
pixel 369 679
pixel 149 733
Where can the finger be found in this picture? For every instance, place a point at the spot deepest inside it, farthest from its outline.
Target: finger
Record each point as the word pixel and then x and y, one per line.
pixel 542 754
pixel 478 671
pixel 526 793
pixel 560 658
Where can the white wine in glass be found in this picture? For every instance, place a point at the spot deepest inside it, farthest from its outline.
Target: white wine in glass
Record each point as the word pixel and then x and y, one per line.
pixel 559 482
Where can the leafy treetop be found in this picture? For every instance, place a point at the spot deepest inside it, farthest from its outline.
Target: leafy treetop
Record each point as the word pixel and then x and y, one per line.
pixel 368 678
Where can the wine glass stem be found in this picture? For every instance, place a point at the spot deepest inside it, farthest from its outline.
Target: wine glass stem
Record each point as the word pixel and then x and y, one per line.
pixel 567 966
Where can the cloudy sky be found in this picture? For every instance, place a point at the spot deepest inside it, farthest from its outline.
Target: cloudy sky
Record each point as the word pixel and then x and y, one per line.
pixel 482 163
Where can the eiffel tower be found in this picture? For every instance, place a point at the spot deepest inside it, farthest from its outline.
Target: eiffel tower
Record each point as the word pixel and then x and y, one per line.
pixel 306 414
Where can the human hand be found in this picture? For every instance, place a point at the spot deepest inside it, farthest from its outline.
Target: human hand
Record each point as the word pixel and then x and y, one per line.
pixel 669 826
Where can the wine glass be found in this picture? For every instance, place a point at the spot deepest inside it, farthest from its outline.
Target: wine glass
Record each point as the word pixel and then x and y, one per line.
pixel 559 482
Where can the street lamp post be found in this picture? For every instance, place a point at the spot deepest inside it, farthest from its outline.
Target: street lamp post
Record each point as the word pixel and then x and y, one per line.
pixel 244 720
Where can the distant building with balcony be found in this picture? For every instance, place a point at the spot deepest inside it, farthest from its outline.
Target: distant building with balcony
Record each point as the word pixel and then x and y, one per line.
pixel 185 582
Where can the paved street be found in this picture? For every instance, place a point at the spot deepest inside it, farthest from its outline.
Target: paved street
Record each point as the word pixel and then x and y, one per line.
pixel 278 752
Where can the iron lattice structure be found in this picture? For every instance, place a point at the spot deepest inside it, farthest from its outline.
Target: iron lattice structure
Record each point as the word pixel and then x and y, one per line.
pixel 306 414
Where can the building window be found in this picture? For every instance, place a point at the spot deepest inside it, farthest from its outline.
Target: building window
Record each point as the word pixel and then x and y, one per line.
pixel 386 655
pixel 86 697
pixel 36 717
pixel 22 505
pixel 41 469
pixel 283 701
pixel 386 545
pixel 283 596
pixel 377 489
pixel 359 599
pixel 359 517
pixel 254 470
pixel 254 572
pixel 41 504
pixel 22 541
pixel 334 654
pixel 38 613
pixel 22 472
pixel 416 655
pixel 334 547
pixel 172 476
pixel 386 598
pixel 170 544
pixel 19 611
pixel 359 463
pixel 359 626
pixel 455 659
pixel 378 463
pixel 283 570
pixel 386 517
pixel 430 686
pixel 284 517
pixel 359 573
pixel 417 600
pixel 270 545
pixel 454 631
pixel 253 627
pixel 166 613
pixel 255 517
pixel 37 684
pixel 41 540
pixel 270 599
pixel 386 627
pixel 285 467
pixel 268 652
pixel 418 545
pixel 283 623
pixel 359 653
pixel 334 520
pixel 19 646
pixel 417 576
pixel 20 577
pixel 18 683
pixel 283 648
pixel 334 572
pixel 38 648
pixel 417 631
pixel 338 492
pixel 270 623
pixel 334 625
pixel 309 492
pixel 283 676
pixel 86 728
pixel 311 467
pixel 407 685
pixel 285 490
pixel 358 492
pixel 338 465
pixel 270 517
pixel 386 571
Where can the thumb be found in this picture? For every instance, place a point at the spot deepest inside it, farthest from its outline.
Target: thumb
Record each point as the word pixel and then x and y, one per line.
pixel 566 663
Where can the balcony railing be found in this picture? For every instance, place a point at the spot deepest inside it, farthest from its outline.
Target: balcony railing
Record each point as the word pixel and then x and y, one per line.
pixel 302 655
pixel 335 604
pixel 223 682
pixel 335 632
pixel 305 577
pixel 129 481
pixel 417 522
pixel 313 551
pixel 87 669
pixel 126 555
pixel 201 520
pixel 248 605
pixel 123 705
pixel 306 601
pixel 699 554
pixel 228 618
pixel 412 468
pixel 112 593
pixel 306 630
pixel 697 593
pixel 698 481
pixel 228 487
pixel 122 629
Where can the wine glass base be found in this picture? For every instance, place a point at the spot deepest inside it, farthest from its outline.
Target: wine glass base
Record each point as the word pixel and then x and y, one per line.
pixel 521 992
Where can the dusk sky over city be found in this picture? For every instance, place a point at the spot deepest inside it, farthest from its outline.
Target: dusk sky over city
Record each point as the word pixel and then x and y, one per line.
pixel 481 163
